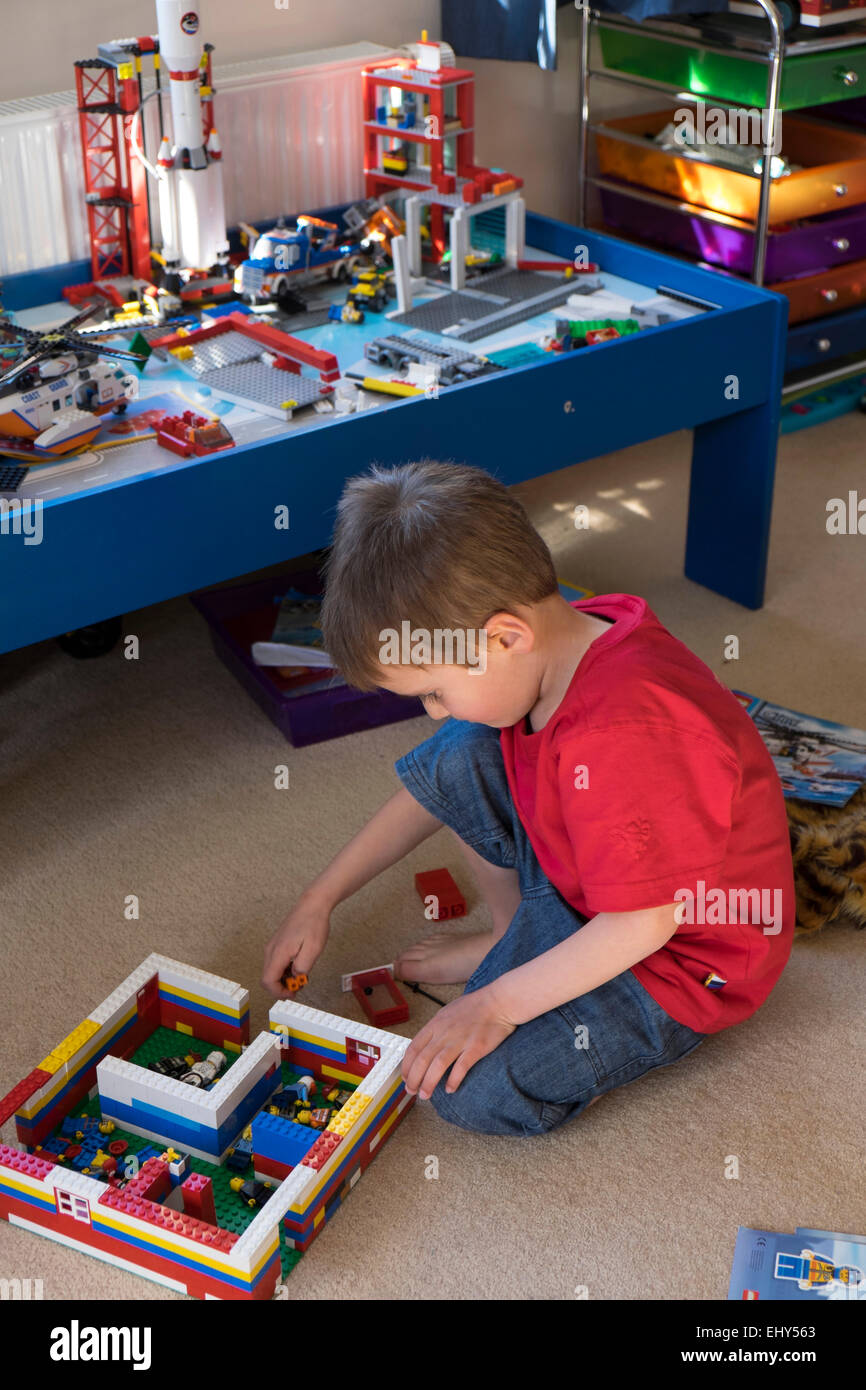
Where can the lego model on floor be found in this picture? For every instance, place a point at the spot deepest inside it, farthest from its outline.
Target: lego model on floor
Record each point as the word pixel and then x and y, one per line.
pixel 157 1138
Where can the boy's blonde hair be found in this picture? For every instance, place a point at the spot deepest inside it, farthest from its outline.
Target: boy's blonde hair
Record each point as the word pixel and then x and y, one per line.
pixel 440 545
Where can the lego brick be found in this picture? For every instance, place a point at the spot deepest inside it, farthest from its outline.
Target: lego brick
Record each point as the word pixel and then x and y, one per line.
pixel 21 1093
pixel 345 1119
pixel 107 1257
pixel 282 1140
pixel 174 1223
pixel 438 884
pixel 126 1082
pixel 322 1150
pixel 198 1198
pixel 379 997
pixel 223 994
pixel 32 1165
pixel 256 1062
pixel 66 1050
pixel 307 1022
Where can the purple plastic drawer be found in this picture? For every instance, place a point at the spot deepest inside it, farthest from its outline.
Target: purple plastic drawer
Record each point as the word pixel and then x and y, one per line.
pixel 243 615
pixel 845 112
pixel 802 249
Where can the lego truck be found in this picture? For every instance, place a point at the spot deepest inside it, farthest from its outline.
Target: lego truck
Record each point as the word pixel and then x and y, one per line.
pixel 286 258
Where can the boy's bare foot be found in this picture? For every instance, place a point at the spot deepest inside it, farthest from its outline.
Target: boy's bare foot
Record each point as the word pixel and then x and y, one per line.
pixel 443 958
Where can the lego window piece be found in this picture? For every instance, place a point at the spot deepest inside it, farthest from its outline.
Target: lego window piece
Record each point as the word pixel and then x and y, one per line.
pixel 70 1205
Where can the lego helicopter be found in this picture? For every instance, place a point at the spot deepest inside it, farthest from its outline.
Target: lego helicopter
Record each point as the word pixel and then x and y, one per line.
pixel 53 397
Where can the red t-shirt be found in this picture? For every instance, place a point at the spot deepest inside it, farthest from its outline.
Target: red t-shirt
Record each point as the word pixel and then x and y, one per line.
pixel 650 785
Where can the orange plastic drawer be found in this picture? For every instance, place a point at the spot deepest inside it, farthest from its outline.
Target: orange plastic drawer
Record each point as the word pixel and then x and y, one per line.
pixel 833 174
pixel 811 296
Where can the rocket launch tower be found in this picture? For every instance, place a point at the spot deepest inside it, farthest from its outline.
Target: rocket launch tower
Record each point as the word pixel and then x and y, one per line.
pixel 169 210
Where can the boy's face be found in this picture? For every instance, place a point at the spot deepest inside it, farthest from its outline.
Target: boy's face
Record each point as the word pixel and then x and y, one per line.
pixel 499 691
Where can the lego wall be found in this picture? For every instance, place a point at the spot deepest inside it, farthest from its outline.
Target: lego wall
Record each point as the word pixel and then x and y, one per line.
pixel 39 48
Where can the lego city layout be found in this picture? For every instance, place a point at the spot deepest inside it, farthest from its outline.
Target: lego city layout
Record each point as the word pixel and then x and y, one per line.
pixel 158 1138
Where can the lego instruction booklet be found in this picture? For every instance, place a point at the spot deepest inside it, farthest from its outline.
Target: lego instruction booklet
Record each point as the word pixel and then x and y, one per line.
pixel 810 1264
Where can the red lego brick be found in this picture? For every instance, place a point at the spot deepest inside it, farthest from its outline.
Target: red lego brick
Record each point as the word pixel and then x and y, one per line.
pixel 438 884
pixel 168 1219
pixel 318 1155
pixel 198 1198
pixel 470 192
pixel 370 988
pixel 549 265
pixel 22 1093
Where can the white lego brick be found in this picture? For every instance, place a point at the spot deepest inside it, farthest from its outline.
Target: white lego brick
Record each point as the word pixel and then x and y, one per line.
pixel 401 1106
pixel 381 1077
pixel 68 1180
pixel 346 980
pixel 213 987
pixel 60 1238
pixel 253 1063
pixel 126 1082
pixel 328 1026
pixel 123 998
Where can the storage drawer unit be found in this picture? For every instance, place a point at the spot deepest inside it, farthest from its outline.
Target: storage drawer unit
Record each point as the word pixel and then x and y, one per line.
pixel 626 151
pixel 810 296
pixel 808 79
pixel 802 248
pixel 821 342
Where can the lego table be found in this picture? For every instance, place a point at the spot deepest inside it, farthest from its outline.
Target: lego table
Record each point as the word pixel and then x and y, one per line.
pixel 137 540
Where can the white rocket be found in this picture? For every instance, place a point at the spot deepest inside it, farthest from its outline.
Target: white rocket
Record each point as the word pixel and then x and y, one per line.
pixel 191 206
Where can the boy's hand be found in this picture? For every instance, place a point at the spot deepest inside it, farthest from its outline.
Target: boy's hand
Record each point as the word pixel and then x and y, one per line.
pixel 297 945
pixel 462 1032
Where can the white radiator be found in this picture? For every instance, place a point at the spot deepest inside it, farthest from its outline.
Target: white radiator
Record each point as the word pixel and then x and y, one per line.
pixel 291 133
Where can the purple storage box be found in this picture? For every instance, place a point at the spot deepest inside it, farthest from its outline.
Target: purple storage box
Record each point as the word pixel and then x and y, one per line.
pixel 803 249
pixel 246 614
pixel 851 112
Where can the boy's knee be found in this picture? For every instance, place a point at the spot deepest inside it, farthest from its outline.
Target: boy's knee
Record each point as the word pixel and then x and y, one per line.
pixel 482 1107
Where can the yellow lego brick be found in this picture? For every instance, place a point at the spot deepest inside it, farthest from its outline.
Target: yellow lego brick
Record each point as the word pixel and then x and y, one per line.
pixel 125 71
pixel 288 405
pixel 183 1028
pixel 182 353
pixel 68 1048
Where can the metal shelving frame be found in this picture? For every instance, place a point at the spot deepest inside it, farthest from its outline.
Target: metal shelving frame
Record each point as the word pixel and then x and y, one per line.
pixel 770 53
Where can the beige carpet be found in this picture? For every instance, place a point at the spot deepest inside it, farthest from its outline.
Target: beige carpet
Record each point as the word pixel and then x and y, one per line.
pixel 155 777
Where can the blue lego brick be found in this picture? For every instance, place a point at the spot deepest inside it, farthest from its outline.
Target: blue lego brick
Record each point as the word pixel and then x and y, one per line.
pixel 282 1140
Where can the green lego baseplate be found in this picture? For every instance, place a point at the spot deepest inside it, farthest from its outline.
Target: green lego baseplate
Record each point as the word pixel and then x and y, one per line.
pixel 232 1214
pixel 578 328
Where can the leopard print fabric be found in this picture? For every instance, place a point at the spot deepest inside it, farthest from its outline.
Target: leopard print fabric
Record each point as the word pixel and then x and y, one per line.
pixel 828 844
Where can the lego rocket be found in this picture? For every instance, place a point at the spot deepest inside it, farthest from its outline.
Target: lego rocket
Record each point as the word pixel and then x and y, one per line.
pixel 191 206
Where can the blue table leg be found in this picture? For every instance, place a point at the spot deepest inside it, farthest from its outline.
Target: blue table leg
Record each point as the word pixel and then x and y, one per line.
pixel 731 493
pixel 730 500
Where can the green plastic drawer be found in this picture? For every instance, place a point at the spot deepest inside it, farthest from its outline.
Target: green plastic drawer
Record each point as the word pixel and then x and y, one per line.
pixel 808 79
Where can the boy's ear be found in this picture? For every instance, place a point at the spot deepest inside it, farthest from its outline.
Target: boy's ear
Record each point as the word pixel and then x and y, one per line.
pixel 510 632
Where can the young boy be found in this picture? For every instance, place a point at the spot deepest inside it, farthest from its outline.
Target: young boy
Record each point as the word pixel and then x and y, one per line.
pixel 623 818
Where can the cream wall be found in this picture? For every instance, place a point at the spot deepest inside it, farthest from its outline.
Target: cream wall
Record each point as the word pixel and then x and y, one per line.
pixel 525 118
pixel 42 38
